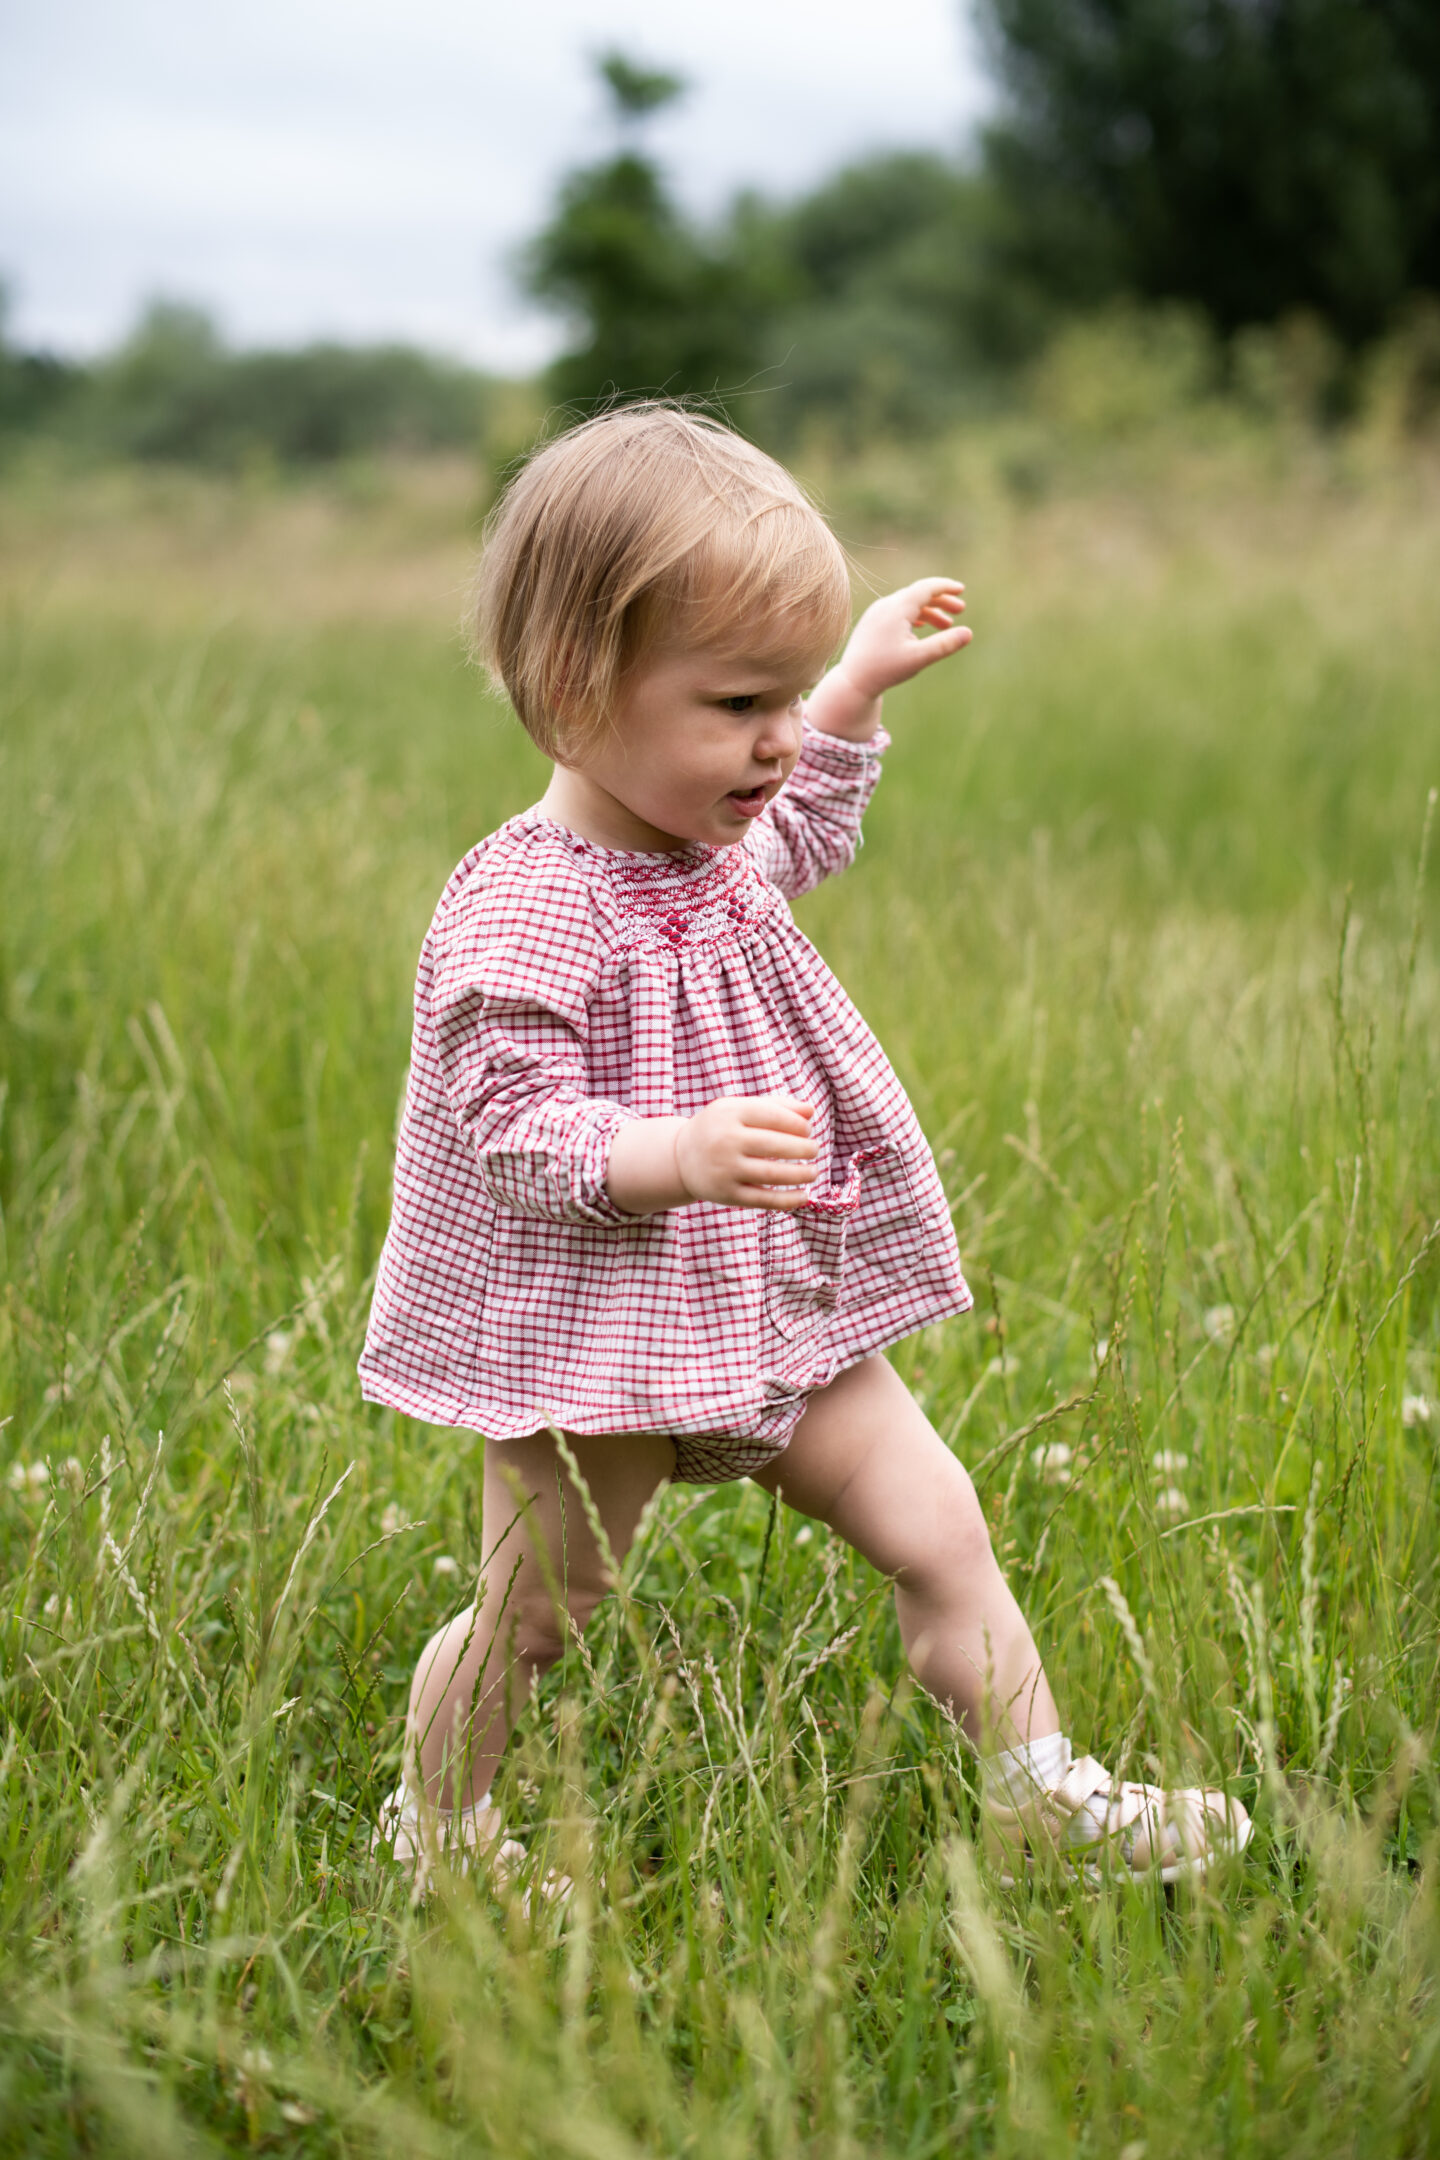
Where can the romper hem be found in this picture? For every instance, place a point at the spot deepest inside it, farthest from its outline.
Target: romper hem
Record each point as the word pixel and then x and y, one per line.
pixel 704 1454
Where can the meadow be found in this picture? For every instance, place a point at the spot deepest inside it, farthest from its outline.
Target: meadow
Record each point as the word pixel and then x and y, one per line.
pixel 1145 921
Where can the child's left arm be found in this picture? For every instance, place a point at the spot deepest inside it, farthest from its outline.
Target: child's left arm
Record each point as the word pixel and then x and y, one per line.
pixel 884 650
pixel 812 828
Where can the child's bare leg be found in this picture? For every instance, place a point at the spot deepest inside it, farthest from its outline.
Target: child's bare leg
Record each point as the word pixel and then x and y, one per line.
pixel 474 1676
pixel 866 1460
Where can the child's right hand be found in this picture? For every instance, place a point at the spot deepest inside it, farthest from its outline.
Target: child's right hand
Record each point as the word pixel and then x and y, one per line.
pixel 742 1151
pixel 748 1151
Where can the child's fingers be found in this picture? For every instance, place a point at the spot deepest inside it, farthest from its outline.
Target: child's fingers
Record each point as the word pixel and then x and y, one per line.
pixel 941 643
pixel 776 1113
pixel 771 1196
pixel 765 1147
pixel 761 1170
pixel 933 592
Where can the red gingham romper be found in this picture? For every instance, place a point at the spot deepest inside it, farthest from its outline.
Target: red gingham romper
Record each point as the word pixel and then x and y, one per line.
pixel 565 988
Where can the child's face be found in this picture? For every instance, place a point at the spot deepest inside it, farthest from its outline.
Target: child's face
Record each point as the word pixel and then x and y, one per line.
pixel 702 740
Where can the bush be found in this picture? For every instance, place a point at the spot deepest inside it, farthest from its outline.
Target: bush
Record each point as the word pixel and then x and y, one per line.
pixel 175 392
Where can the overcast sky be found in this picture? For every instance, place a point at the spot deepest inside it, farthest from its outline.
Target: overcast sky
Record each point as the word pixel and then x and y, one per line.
pixel 364 168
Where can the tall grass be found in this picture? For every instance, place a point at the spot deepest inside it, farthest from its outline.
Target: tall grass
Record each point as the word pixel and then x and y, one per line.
pixel 1144 920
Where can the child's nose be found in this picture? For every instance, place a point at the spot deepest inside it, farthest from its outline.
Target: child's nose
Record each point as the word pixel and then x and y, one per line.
pixel 780 736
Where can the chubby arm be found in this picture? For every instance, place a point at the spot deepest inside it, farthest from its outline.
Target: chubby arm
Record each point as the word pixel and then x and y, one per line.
pixel 547 1149
pixel 742 1151
pixel 506 984
pixel 812 829
pixel 514 1074
pixel 507 987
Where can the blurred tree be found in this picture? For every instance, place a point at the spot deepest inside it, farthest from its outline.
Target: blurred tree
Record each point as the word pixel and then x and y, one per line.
pixel 901 311
pixel 35 388
pixel 161 395
pixel 1255 156
pixel 638 91
pixel 656 302
pixel 174 391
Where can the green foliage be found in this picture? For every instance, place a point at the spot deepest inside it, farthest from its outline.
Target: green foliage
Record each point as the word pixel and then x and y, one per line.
pixel 1183 1094
pixel 34 387
pixel 174 392
pixel 663 307
pixel 1252 160
pixel 638 91
pixel 896 317
pixel 1258 166
pixel 657 303
pixel 873 303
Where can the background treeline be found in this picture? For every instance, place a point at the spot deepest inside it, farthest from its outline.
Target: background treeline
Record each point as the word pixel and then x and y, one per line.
pixel 175 391
pixel 1251 188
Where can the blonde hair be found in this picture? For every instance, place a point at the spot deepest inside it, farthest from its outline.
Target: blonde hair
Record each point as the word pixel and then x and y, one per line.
pixel 647 525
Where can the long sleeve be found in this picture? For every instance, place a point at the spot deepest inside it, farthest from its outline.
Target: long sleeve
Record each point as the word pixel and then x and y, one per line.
pixel 812 829
pixel 508 1003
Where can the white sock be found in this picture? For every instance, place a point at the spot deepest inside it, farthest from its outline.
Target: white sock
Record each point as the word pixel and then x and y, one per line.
pixel 1018 1774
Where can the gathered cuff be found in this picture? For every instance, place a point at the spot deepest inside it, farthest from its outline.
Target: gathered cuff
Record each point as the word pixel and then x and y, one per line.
pixel 838 755
pixel 557 1173
pixel 580 1177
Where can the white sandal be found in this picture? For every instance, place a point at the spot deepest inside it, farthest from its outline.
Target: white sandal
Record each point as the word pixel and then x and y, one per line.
pixel 415 1837
pixel 1145 1832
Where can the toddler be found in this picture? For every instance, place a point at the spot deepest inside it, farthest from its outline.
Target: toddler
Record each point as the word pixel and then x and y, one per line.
pixel 657 1186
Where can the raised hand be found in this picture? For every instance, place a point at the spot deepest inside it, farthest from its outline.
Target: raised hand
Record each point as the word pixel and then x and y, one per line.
pixel 884 650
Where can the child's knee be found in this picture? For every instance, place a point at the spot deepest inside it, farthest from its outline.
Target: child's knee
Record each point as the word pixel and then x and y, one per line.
pixel 545 1625
pixel 952 1539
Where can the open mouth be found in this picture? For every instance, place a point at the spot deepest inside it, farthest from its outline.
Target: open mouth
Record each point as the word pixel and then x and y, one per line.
pixel 748 802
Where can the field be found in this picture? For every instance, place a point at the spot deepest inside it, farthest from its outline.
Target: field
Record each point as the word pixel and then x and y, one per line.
pixel 1144 920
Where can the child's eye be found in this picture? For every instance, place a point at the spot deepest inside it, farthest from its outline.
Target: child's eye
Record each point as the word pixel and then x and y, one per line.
pixel 744 704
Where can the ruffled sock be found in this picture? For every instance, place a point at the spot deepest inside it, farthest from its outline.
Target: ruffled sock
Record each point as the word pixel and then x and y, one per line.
pixel 1018 1774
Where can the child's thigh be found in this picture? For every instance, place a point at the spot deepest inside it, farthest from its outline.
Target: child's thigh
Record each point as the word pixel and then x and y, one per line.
pixel 531 1500
pixel 866 1460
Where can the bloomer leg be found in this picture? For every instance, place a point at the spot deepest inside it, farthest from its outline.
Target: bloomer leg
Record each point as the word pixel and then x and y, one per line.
pixel 866 1460
pixel 475 1674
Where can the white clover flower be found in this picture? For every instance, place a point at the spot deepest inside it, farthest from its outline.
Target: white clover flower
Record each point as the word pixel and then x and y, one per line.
pixel 1004 1367
pixel 277 1348
pixel 1169 1462
pixel 28 1477
pixel 1416 1410
pixel 391 1520
pixel 73 1470
pixel 1219 1323
pixel 1053 1459
pixel 1171 1502
pixel 446 1564
pixel 1100 1352
pixel 1265 1358
pixel 804 1534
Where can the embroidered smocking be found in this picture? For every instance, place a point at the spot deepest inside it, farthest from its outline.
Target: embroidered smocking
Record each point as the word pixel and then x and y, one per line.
pixel 701 896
